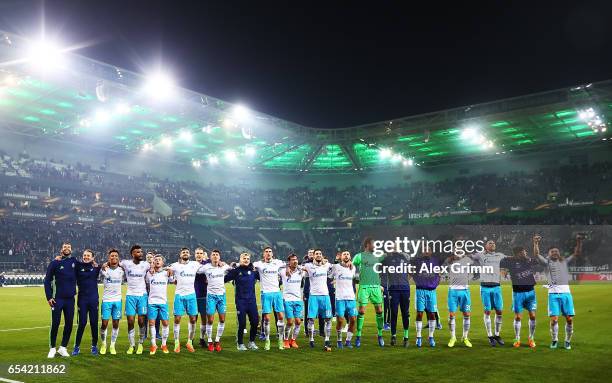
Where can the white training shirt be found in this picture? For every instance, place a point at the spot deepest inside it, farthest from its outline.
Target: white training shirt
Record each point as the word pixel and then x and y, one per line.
pixel 344 282
pixel 216 278
pixel 318 278
pixel 185 274
pixel 292 285
pixel 135 275
pixel 268 275
pixel 113 278
pixel 158 287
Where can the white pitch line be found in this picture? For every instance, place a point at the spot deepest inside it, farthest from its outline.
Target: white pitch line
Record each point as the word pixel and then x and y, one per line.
pixel 62 325
pixel 9 381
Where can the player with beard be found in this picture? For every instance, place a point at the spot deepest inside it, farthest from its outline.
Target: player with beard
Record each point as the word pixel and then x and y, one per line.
pixel 136 297
pixel 560 300
pixel 319 304
pixel 60 288
pixel 185 301
pixel 344 274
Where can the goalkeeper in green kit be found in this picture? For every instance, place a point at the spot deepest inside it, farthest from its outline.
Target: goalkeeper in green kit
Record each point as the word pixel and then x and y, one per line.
pixel 370 290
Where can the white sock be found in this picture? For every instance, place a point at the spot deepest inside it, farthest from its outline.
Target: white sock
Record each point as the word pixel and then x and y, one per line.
pixel 142 332
pixel 466 327
pixel 165 333
pixel 432 327
pixel 451 326
pixel 419 328
pixel 349 336
pixel 177 332
pixel 311 329
pixel 498 323
pixel 569 331
pixel 202 331
pixel 328 326
pixel 190 330
pixel 532 326
pixel 280 328
pixel 114 335
pixel 296 331
pixel 487 322
pixel 152 333
pixel 131 337
pixel 517 329
pixel 554 330
pixel 209 332
pixel 339 335
pixel 220 328
pixel 288 331
pixel 103 335
pixel 266 328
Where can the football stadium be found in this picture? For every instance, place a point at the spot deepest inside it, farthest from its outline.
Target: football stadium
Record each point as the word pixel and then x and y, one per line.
pixel 151 231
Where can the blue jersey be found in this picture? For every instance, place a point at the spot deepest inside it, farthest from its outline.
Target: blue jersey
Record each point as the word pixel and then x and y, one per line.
pixel 61 274
pixel 244 277
pixel 425 280
pixel 398 280
pixel 87 280
pixel 200 284
pixel 521 272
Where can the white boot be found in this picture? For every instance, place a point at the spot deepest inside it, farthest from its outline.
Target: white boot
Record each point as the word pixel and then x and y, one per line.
pixel 51 353
pixel 63 352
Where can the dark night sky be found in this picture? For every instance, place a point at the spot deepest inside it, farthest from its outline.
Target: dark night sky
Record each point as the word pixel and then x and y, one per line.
pixel 339 65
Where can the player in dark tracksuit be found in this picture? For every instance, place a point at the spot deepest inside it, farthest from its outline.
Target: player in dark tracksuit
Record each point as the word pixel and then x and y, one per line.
pixel 244 277
pixel 60 289
pixel 87 273
pixel 398 291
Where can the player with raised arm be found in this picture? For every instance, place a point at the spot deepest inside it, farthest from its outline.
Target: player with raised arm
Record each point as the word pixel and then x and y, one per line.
pixel 426 299
pixel 136 297
pixel 215 298
pixel 200 290
pixel 87 274
pixel 292 277
pixel 60 289
pixel 370 290
pixel 560 301
pixel 157 279
pixel 185 301
pixel 490 290
pixel 112 277
pixel 459 297
pixel 271 296
pixel 520 267
pixel 319 304
pixel 244 277
pixel 344 274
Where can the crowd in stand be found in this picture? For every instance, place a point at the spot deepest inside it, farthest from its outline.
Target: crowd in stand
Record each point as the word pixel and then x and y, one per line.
pixel 85 192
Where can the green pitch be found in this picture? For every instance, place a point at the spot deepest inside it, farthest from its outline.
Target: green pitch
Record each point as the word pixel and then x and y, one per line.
pixel 25 319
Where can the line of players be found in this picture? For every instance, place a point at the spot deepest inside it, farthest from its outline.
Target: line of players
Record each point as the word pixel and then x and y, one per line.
pixel 200 288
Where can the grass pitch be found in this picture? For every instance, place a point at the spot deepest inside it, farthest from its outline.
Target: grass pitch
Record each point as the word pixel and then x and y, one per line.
pixel 25 320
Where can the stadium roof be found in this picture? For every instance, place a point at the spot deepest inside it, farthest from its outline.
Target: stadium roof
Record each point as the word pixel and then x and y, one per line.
pixel 60 95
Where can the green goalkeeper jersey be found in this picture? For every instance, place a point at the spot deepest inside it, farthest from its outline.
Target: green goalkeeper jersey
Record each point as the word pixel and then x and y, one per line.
pixel 367 276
